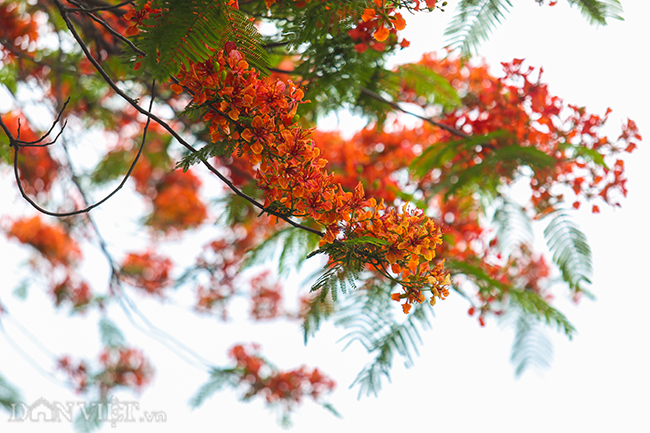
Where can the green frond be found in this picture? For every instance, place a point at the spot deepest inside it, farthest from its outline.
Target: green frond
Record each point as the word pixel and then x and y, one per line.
pixel 210 150
pixel 219 378
pixel 427 84
pixel 531 347
pixel 317 313
pixel 267 249
pixel 570 249
pixel 513 226
pixel 8 394
pixel 194 30
pixel 487 180
pixel 368 317
pixel 347 260
pixel 110 335
pixel 534 305
pixel 476 274
pixel 295 249
pixel 236 208
pixel 294 246
pixel 473 23
pixel 597 11
pixel 436 155
pixel 90 418
pixel 481 177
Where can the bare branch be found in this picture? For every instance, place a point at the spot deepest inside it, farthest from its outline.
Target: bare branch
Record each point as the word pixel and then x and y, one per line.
pixel 17 144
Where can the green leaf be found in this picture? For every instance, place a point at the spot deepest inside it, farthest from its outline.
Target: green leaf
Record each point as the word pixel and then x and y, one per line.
pixel 513 226
pixel 533 304
pixel 569 249
pixel 428 84
pixel 368 317
pixel 597 11
pixel 110 335
pixel 476 273
pixel 210 150
pixel 473 23
pixel 8 394
pixel 20 292
pixel 437 155
pixel 295 249
pixel 366 240
pixel 8 75
pixel 89 418
pixel 219 378
pixel 586 153
pixel 531 347
pixel 316 314
pixel 194 30
pixel 331 408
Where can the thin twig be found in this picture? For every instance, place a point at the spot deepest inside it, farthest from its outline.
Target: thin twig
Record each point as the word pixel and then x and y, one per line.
pixel 395 106
pixel 16 144
pixel 99 8
pixel 116 89
pixel 107 26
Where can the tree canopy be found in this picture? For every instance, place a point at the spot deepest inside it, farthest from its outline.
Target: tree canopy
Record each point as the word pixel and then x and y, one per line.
pixel 207 111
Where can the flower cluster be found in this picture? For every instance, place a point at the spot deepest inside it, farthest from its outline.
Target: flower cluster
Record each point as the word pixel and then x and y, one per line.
pixel 258 115
pixel 78 374
pixel 76 292
pixel 148 271
pixel 284 387
pixel 520 104
pixel 136 17
pixel 174 195
pixel 51 241
pixel 121 367
pixel 266 297
pixel 375 27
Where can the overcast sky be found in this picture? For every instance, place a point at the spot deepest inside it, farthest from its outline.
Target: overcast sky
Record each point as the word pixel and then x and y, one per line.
pixel 462 381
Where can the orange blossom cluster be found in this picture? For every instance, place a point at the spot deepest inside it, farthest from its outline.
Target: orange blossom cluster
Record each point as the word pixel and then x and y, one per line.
pixel 285 387
pixel 258 115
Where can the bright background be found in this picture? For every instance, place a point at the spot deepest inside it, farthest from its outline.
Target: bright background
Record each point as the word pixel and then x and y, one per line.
pixel 462 381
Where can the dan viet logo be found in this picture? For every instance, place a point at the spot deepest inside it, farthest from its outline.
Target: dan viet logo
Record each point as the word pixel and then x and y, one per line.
pixel 113 412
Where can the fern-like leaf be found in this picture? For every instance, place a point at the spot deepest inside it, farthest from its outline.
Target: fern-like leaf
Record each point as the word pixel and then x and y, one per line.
pixel 427 84
pixel 110 334
pixel 368 317
pixel 531 347
pixel 89 418
pixel 316 313
pixel 473 23
pixel 534 305
pixel 219 378
pixel 8 394
pixel 597 11
pixel 513 226
pixel 192 30
pixel 570 249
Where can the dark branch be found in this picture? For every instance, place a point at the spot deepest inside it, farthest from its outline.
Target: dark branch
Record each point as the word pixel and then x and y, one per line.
pixel 395 106
pixel 116 89
pixel 17 144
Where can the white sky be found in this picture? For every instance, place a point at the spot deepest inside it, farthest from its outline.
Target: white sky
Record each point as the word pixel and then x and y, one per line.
pixel 463 380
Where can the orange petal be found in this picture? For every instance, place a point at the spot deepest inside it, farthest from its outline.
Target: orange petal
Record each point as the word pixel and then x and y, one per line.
pixel 381 34
pixel 368 14
pixel 399 22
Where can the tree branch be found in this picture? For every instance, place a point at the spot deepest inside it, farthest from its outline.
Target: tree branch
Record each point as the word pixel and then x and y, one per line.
pixel 116 89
